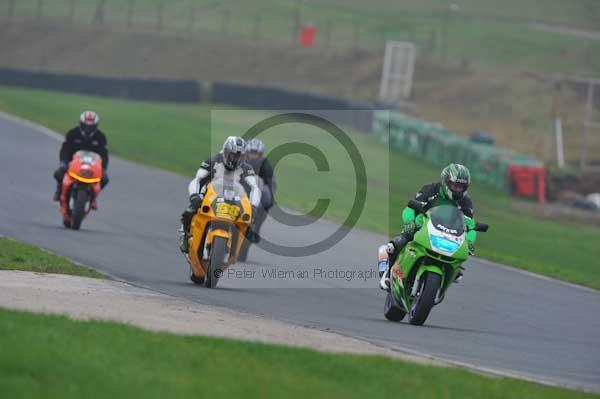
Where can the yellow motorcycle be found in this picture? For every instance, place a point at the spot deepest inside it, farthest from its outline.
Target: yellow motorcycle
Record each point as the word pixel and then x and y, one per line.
pixel 217 231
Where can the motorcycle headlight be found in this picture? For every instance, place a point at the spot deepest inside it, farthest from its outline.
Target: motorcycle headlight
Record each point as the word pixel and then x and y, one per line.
pixel 443 244
pixel 88 173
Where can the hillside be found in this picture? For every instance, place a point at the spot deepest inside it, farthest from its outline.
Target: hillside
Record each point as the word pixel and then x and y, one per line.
pixel 514 106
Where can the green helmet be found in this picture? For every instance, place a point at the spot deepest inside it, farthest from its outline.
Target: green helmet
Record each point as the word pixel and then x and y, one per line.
pixel 455 181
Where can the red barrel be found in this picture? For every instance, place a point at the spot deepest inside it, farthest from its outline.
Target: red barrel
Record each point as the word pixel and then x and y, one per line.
pixel 528 181
pixel 307 35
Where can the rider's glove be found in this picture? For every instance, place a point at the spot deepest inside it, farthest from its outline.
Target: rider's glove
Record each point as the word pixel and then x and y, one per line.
pixel 195 200
pixel 390 248
pixel 409 227
pixel 471 249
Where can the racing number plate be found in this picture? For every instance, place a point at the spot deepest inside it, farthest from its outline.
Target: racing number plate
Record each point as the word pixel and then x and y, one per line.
pixel 227 211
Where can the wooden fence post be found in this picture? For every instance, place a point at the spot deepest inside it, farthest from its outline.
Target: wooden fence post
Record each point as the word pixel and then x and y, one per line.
pixel 40 10
pixel 130 10
pixel 159 16
pixel 328 29
pixel 296 18
pixel 72 10
pixel 192 18
pixel 356 35
pixel 256 34
pixel 225 22
pixel 99 14
pixel 11 10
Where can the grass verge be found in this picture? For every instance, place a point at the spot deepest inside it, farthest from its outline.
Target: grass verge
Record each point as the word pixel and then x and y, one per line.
pixel 15 255
pixel 53 356
pixel 179 137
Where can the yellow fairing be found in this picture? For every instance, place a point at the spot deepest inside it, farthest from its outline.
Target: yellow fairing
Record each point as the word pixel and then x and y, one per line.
pixel 223 219
pixel 84 179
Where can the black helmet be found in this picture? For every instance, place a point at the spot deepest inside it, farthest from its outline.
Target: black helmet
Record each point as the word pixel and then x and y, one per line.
pixel 233 151
pixel 455 180
pixel 88 123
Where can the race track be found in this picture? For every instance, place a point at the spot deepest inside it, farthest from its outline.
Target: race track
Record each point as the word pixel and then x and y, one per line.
pixel 498 318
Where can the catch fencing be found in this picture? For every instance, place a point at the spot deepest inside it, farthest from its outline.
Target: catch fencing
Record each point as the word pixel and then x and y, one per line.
pixel 441 30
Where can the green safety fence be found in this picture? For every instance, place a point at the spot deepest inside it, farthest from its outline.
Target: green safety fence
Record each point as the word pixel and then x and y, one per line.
pixel 440 146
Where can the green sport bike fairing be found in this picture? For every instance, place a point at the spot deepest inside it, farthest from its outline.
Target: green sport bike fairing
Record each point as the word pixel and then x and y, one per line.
pixel 428 264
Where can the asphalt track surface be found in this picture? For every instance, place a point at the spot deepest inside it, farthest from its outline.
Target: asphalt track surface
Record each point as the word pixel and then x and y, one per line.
pixel 498 319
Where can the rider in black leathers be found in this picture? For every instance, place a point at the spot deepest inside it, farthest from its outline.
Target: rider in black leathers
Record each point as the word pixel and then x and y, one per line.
pixel 255 150
pixel 85 137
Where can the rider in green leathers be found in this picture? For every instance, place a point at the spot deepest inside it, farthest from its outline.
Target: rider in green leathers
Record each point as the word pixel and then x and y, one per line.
pixel 452 189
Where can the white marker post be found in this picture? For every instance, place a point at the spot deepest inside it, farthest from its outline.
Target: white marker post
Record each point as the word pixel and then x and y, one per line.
pixel 560 151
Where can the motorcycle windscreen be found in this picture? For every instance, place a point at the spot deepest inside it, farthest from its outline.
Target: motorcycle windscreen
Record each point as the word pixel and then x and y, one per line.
pixel 87 157
pixel 229 189
pixel 448 219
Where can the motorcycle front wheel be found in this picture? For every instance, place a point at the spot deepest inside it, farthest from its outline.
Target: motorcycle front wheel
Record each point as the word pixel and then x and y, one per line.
pixel 78 213
pixel 422 304
pixel 218 253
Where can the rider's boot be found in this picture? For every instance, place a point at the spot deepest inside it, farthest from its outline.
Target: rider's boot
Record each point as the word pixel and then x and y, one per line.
pixel 459 275
pixel 252 236
pixel 184 228
pixel 183 240
pixel 384 268
pixel 254 230
pixel 391 251
pixel 56 196
pixel 384 281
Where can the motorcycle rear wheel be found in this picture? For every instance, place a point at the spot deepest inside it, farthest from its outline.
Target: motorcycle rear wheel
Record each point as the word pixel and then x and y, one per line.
pixel 243 255
pixel 391 311
pixel 218 252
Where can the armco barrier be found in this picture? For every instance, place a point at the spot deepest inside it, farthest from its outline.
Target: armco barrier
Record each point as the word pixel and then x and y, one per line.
pixel 488 164
pixel 181 91
pixel 360 116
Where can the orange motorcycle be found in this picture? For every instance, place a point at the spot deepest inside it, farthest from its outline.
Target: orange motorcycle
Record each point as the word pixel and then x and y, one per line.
pixel 80 188
pixel 217 231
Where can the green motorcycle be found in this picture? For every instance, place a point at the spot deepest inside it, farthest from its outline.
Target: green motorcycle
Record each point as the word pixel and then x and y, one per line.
pixel 429 263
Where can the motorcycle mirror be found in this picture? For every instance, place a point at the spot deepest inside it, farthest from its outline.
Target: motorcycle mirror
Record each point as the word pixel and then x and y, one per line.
pixel 483 227
pixel 415 205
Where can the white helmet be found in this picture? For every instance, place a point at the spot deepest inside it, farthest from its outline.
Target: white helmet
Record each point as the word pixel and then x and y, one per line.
pixel 255 146
pixel 233 151
pixel 88 123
